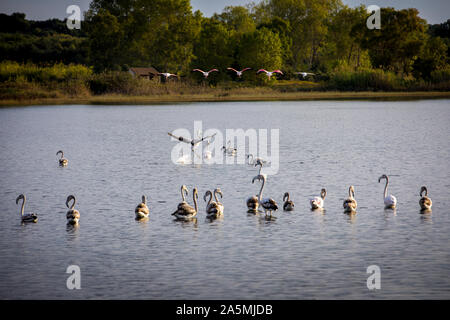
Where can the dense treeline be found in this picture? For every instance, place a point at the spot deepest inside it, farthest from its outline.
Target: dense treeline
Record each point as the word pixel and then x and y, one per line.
pixel 320 36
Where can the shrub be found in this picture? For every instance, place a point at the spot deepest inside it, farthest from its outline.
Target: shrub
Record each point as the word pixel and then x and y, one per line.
pixel 365 80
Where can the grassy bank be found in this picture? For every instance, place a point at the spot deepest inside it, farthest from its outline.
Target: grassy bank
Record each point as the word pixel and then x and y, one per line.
pixel 76 84
pixel 274 96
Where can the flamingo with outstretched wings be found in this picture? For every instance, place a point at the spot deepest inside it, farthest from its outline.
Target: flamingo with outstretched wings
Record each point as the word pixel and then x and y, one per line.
pixel 167 75
pixel 192 142
pixel 239 73
pixel 269 73
pixel 206 73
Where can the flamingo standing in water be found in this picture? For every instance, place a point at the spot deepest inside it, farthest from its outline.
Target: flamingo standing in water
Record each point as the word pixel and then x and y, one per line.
pixel 206 73
pixel 425 202
pixel 27 217
pixel 239 73
pixel 269 73
pixel 268 204
pixel 390 202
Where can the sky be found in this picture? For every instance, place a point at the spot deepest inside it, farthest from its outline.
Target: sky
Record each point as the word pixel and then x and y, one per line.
pixel 434 11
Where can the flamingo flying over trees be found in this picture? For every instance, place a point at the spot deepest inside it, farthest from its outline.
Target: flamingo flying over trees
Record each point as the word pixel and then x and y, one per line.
pixel 167 75
pixel 239 73
pixel 206 73
pixel 304 74
pixel 269 73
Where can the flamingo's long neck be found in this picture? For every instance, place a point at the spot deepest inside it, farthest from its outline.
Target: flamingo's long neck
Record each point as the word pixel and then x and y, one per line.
pixel 22 207
pixel 385 187
pixel 261 190
pixel 73 203
pixel 195 202
pixel 215 196
pixel 182 194
pixel 210 198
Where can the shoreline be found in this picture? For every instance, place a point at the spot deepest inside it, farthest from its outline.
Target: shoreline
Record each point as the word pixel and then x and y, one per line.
pixel 275 96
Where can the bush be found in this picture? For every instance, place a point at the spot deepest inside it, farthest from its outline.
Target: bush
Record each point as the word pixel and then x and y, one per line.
pixel 58 72
pixel 112 82
pixel 365 80
pixel 439 76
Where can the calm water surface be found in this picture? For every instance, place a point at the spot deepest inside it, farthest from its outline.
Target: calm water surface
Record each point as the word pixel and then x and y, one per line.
pixel 118 153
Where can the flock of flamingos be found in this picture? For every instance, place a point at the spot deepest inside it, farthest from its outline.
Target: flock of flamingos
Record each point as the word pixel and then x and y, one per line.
pixel 239 73
pixel 214 208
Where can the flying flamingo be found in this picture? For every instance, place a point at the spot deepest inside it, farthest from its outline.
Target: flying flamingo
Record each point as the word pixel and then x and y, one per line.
pixel 239 73
pixel 304 74
pixel 167 75
pixel 269 73
pixel 206 73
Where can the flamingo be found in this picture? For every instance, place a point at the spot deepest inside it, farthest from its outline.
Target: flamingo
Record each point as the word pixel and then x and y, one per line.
pixel 239 73
pixel 304 74
pixel 317 202
pixel 390 202
pixel 267 203
pixel 260 163
pixel 350 203
pixel 62 161
pixel 167 75
pixel 217 191
pixel 254 160
pixel 212 208
pixel 269 73
pixel 252 203
pixel 27 217
pixel 184 210
pixel 229 150
pixel 206 73
pixel 193 142
pixel 73 215
pixel 141 210
pixel 425 201
pixel 288 204
pixel 184 158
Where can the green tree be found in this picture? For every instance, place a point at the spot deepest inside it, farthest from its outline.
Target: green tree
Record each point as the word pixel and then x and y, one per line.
pixel 433 56
pixel 399 41
pixel 214 48
pixel 307 20
pixel 283 29
pixel 105 41
pixel 237 18
pixel 342 45
pixel 148 32
pixel 261 49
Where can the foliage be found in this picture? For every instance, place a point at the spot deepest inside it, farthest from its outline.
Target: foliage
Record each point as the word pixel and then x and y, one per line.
pixel 214 48
pixel 398 42
pixel 325 37
pixel 31 72
pixel 261 49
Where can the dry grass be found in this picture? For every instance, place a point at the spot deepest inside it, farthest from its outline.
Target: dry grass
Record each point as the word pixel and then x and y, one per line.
pixel 259 94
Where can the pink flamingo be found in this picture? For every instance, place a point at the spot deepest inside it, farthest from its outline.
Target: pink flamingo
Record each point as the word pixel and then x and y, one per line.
pixel 206 73
pixel 269 73
pixel 167 75
pixel 238 73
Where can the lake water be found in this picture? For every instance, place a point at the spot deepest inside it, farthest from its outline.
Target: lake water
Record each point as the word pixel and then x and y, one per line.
pixel 118 153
